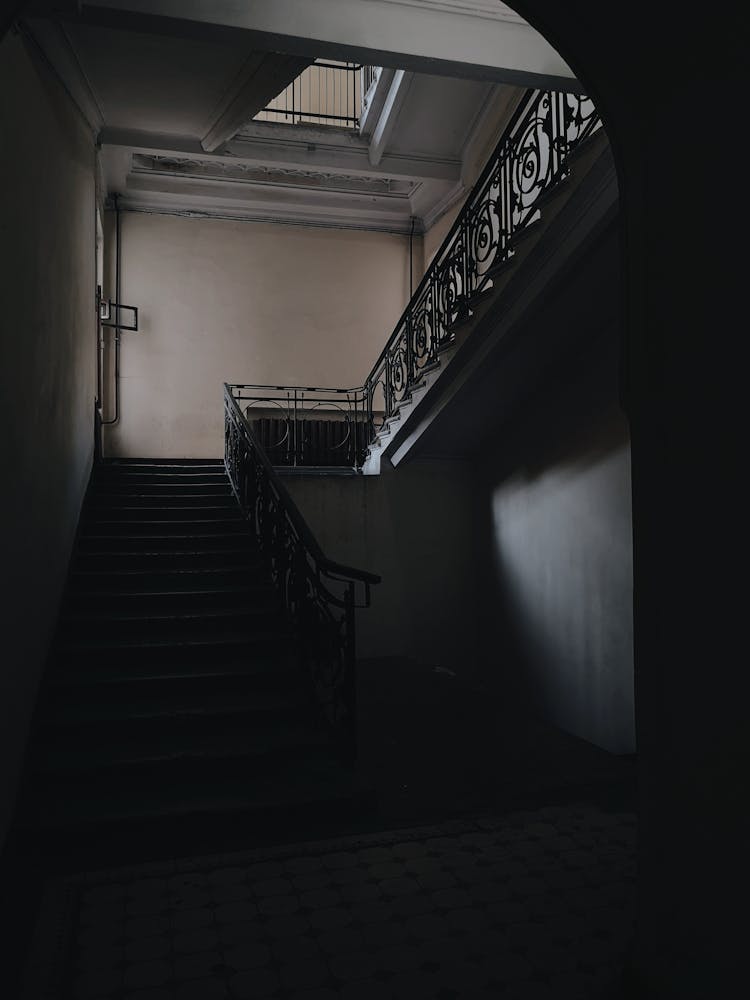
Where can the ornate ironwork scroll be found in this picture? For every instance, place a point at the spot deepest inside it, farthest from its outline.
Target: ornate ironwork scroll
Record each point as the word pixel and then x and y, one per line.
pixel 530 159
pixel 319 595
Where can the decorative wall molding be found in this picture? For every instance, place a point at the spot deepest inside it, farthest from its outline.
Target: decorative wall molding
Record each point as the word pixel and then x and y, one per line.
pixel 278 217
pixel 281 176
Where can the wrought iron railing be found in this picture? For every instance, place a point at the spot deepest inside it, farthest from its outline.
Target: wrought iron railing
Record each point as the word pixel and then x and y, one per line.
pixel 326 93
pixel 530 159
pixel 303 426
pixel 319 595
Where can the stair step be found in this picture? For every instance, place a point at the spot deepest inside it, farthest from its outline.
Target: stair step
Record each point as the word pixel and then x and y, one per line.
pixel 160 602
pixel 147 484
pixel 136 678
pixel 177 625
pixel 155 501
pixel 149 512
pixel 280 798
pixel 142 580
pixel 94 542
pixel 132 477
pixel 159 653
pixel 255 708
pixel 165 601
pixel 199 749
pixel 162 463
pixel 111 560
pixel 163 528
pixel 239 638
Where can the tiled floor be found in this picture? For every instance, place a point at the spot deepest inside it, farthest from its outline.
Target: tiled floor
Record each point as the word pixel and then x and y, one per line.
pixel 531 905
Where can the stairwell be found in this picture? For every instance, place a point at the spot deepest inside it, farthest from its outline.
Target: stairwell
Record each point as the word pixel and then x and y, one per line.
pixel 173 695
pixel 566 214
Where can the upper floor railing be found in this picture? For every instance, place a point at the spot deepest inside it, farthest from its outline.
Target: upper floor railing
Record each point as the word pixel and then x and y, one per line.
pixel 319 595
pixel 530 159
pixel 303 426
pixel 326 93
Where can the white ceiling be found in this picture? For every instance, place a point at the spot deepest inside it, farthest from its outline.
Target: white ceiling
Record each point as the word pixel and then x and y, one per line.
pixel 153 98
pixel 156 83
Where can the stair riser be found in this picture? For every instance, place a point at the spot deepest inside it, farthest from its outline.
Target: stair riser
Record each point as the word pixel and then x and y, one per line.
pixel 133 514
pixel 196 769
pixel 163 655
pixel 130 729
pixel 158 829
pixel 272 677
pixel 264 598
pixel 118 489
pixel 179 629
pixel 145 581
pixel 158 501
pixel 236 526
pixel 110 562
pixel 235 542
pixel 179 479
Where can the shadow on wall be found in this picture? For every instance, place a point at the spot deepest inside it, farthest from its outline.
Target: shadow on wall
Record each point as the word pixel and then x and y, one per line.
pixel 557 622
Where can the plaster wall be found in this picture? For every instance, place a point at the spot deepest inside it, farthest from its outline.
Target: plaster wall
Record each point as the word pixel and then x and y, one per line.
pixel 414 527
pixel 433 238
pixel 47 374
pixel 557 620
pixel 245 302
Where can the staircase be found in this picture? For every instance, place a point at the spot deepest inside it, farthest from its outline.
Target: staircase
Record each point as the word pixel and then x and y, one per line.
pixel 549 238
pixel 173 691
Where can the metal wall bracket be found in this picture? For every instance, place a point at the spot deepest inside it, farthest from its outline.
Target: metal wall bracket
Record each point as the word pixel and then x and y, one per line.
pixel 109 315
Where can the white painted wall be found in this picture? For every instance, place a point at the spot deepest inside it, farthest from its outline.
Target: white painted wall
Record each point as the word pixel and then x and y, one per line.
pixel 236 301
pixel 47 374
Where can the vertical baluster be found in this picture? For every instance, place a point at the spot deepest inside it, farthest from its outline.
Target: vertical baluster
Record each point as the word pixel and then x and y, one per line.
pixel 349 692
pixel 409 356
pixel 388 394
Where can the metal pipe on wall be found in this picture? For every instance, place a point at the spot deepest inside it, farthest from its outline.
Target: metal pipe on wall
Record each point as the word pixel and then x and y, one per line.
pixel 116 417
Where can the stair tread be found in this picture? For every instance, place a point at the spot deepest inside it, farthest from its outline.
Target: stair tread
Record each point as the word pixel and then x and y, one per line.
pixel 237 638
pixel 310 784
pixel 141 673
pixel 203 704
pixel 178 616
pixel 204 744
pixel 229 590
pixel 233 535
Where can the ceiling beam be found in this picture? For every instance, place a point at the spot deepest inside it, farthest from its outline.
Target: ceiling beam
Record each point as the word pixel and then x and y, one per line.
pixel 444 37
pixel 388 116
pixel 263 76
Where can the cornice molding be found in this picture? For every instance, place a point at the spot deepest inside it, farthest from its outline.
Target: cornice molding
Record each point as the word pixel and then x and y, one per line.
pixel 280 217
pixel 247 173
pixel 441 207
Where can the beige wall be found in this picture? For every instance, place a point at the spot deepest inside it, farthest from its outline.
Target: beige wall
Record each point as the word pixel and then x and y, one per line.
pixel 243 302
pixel 47 374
